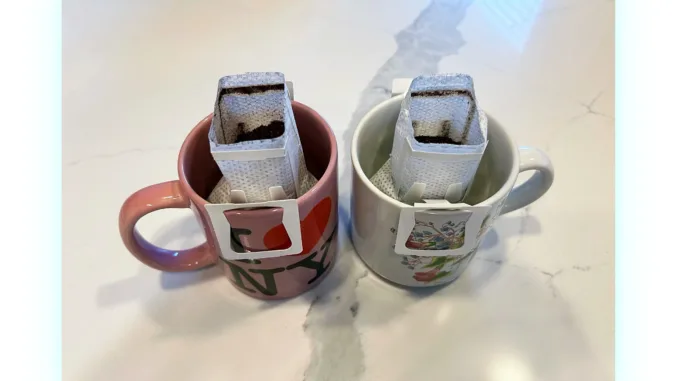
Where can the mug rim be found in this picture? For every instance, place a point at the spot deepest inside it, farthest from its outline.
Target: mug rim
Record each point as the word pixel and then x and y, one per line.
pixel 496 197
pixel 307 197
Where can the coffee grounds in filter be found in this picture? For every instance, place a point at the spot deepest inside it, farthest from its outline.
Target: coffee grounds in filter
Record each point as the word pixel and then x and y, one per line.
pixel 443 138
pixel 272 130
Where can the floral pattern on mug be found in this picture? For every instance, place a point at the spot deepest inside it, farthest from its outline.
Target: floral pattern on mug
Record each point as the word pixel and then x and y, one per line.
pixel 430 269
pixel 426 236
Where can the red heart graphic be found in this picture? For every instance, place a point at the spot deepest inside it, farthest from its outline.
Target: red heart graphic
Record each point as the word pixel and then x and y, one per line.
pixel 312 228
pixel 426 276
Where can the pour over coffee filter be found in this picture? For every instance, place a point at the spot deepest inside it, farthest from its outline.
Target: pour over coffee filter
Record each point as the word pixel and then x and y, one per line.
pixel 439 140
pixel 254 141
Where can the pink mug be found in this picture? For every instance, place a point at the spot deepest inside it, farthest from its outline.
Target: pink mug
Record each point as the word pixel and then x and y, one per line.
pixel 251 230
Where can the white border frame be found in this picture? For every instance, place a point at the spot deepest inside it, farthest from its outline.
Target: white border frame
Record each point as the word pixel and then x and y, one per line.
pixel 406 224
pixel 222 228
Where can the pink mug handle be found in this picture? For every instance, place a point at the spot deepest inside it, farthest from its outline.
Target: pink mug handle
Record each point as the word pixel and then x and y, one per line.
pixel 159 196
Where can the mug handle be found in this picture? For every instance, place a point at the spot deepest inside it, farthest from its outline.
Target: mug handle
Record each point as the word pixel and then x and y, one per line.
pixel 155 197
pixel 535 187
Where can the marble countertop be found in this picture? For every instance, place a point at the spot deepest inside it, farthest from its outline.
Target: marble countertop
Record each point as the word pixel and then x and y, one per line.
pixel 536 304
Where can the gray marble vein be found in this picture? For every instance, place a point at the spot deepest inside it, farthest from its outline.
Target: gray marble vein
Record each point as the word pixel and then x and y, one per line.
pixel 589 107
pixel 337 352
pixel 590 110
pixel 118 154
pixel 422 45
pixel 330 322
pixel 549 281
pixel 523 228
pixel 550 276
pixel 581 268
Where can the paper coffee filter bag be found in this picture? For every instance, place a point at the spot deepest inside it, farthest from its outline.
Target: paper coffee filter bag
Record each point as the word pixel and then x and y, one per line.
pixel 439 140
pixel 252 118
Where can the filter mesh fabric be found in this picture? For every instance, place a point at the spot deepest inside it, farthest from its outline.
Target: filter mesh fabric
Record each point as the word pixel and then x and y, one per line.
pixel 442 107
pixel 246 104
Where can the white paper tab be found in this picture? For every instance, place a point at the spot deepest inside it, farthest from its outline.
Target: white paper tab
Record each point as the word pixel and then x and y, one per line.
pixel 222 228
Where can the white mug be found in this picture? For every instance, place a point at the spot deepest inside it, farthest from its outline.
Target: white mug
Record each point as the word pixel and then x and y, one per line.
pixel 375 216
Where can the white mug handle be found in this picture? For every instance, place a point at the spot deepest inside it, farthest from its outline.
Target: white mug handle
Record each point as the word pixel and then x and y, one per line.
pixel 535 187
